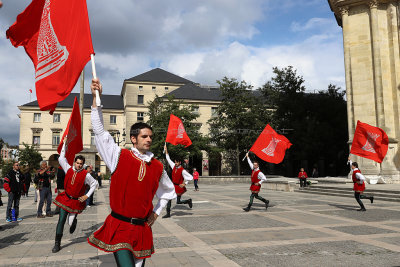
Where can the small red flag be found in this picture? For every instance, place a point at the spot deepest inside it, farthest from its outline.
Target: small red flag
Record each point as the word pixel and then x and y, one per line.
pixel 176 132
pixel 369 142
pixel 30 91
pixel 56 36
pixel 73 144
pixel 271 146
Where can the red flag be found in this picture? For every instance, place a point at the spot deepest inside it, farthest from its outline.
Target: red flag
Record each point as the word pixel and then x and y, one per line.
pixel 56 36
pixel 270 146
pixel 73 144
pixel 369 142
pixel 176 132
pixel 30 91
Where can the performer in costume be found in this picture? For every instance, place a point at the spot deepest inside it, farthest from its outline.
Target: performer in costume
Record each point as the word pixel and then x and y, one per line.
pixel 180 178
pixel 359 185
pixel 136 177
pixel 257 178
pixel 72 200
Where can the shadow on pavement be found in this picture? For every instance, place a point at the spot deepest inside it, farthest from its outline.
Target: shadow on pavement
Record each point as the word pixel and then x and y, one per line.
pixel 12 240
pixel 344 207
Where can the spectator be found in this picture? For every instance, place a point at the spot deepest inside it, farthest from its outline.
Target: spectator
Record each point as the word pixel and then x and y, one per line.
pixel 195 179
pixel 13 185
pixel 99 178
pixel 42 179
pixel 303 178
pixel 89 201
pixel 60 185
pixel 27 180
pixel 315 173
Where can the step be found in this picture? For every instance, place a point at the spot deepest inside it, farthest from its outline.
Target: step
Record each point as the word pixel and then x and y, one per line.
pixel 350 188
pixel 372 192
pixel 347 194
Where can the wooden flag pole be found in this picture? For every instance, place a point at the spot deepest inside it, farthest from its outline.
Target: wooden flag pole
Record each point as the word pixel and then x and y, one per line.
pixel 98 101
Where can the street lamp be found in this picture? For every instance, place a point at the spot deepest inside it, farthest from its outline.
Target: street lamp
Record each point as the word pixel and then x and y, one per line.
pixel 123 137
pixel 118 134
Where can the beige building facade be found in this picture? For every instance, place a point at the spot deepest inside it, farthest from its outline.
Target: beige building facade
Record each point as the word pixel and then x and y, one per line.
pixel 43 130
pixel 372 66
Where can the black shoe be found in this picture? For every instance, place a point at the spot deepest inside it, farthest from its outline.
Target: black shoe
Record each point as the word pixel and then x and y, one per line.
pixel 190 203
pixel 371 199
pixel 361 209
pixel 49 215
pixel 57 244
pixel 166 215
pixel 266 204
pixel 246 209
pixel 73 226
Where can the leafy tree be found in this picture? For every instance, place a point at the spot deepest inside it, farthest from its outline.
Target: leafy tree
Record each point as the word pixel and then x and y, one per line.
pixel 159 112
pixel 239 119
pixel 6 167
pixel 30 156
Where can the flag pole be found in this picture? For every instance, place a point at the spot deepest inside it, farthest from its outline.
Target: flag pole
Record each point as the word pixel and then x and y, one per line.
pixel 98 101
pixel 81 95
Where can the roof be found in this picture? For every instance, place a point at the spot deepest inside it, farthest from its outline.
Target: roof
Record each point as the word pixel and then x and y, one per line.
pixel 159 76
pixel 194 92
pixel 108 101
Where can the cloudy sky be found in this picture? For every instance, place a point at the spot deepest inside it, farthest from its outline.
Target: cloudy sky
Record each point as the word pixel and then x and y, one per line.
pixel 202 41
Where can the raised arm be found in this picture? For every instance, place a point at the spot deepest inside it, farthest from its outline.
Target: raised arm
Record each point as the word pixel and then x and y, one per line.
pixel 62 159
pixel 249 161
pixel 170 162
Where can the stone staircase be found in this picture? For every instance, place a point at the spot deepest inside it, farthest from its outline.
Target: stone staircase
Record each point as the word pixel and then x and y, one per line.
pixel 347 191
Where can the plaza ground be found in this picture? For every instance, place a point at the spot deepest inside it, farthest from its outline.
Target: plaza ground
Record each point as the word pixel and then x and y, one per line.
pixel 299 229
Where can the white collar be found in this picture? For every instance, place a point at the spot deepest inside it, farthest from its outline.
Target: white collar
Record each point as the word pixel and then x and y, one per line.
pixel 75 170
pixel 257 169
pixel 145 157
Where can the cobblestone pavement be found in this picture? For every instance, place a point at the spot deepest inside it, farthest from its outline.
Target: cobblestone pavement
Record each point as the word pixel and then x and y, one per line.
pixel 297 230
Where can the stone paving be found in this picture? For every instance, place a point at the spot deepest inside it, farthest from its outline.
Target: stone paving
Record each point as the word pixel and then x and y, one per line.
pixel 297 230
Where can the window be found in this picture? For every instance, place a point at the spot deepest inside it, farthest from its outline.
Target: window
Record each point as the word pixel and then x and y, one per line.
pixel 36 140
pixel 140 116
pixel 113 119
pixel 92 143
pixel 195 109
pixel 140 99
pixel 214 112
pixel 166 88
pixel 140 88
pixel 56 117
pixel 36 117
pixel 56 139
pixel 153 88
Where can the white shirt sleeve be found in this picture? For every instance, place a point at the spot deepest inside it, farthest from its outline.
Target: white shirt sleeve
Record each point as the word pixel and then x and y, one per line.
pixel 165 192
pixel 360 177
pixel 170 162
pixel 63 160
pixel 250 163
pixel 107 148
pixel 261 177
pixel 186 176
pixel 89 180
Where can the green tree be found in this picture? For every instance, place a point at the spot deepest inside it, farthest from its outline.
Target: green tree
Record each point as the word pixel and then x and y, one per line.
pixel 239 119
pixel 30 156
pixel 6 167
pixel 159 112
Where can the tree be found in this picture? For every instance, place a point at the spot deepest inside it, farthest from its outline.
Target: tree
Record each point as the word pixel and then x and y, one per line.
pixel 30 156
pixel 239 119
pixel 159 112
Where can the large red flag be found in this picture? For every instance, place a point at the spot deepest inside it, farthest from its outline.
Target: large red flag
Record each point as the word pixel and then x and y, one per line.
pixel 369 142
pixel 176 132
pixel 56 36
pixel 271 146
pixel 73 144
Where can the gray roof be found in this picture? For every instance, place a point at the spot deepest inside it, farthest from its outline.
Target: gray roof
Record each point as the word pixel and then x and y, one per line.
pixel 194 92
pixel 108 101
pixel 160 76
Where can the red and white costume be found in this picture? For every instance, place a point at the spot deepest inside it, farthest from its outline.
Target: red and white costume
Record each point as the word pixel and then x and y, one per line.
pixel 358 180
pixel 74 184
pixel 257 178
pixel 179 176
pixel 135 179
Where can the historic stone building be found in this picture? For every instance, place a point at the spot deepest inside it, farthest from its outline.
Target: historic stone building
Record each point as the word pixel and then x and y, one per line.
pixel 372 65
pixel 119 111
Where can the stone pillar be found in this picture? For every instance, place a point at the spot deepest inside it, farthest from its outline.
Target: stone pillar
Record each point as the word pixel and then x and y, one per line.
pixel 205 164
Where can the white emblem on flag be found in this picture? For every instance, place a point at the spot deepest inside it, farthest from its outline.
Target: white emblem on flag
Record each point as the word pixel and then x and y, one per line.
pixel 70 137
pixel 50 53
pixel 270 149
pixel 370 144
pixel 181 130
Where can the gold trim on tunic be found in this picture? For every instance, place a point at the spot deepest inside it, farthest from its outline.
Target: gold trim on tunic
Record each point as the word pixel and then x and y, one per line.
pixel 66 208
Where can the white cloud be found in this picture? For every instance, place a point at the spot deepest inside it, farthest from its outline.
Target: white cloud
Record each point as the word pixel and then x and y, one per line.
pixel 312 24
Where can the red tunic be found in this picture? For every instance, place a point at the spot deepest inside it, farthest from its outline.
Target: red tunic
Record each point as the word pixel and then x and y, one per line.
pixel 301 174
pixel 357 187
pixel 74 185
pixel 255 187
pixel 177 179
pixel 133 186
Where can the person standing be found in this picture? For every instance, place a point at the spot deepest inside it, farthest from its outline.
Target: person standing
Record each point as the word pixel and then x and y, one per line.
pixel 72 201
pixel 136 177
pixel 89 201
pixel 257 178
pixel 60 185
pixel 27 181
pixel 180 178
pixel 14 186
pixel 302 177
pixel 195 179
pixel 42 179
pixel 359 185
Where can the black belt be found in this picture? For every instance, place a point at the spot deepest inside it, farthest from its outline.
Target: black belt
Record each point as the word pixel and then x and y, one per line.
pixel 136 221
pixel 256 184
pixel 74 198
pixel 176 184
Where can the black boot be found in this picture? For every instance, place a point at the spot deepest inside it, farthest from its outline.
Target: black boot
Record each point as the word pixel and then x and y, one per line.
pixel 167 215
pixel 73 226
pixel 247 209
pixel 190 203
pixel 57 244
pixel 266 204
pixel 371 199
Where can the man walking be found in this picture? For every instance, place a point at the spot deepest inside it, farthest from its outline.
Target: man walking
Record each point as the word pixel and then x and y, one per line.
pixel 13 185
pixel 42 179
pixel 180 178
pixel 195 179
pixel 73 200
pixel 136 177
pixel 257 178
